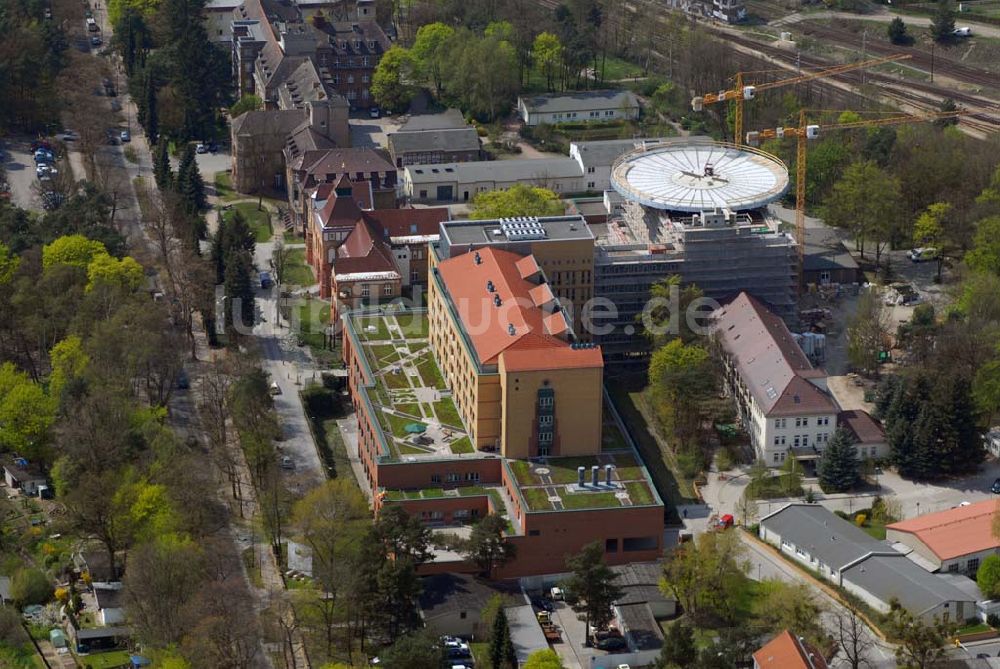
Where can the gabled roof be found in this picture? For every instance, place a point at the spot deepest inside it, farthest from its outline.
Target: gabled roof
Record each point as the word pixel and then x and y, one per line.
pixel 410 222
pixel 449 139
pixel 580 101
pixel 449 119
pixel 504 321
pixel 769 361
pixel 826 536
pixel 444 594
pixel 866 430
pixel 896 577
pixel 348 161
pixel 272 122
pixel 786 652
pixel 956 532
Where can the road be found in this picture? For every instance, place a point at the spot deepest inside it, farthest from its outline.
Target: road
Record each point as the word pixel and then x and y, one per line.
pixel 764 564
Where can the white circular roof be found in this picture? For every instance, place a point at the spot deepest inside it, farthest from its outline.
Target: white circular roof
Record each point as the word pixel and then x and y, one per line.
pixel 693 176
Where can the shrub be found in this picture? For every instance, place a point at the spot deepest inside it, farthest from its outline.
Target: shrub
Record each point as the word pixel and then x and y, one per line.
pixel 689 465
pixel 30 586
pixel 318 401
pixel 993 620
pixel 860 520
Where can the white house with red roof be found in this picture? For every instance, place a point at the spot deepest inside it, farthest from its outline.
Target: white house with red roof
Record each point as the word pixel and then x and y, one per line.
pixel 956 540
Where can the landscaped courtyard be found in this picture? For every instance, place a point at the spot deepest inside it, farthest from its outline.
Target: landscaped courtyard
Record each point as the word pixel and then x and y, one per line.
pixel 413 403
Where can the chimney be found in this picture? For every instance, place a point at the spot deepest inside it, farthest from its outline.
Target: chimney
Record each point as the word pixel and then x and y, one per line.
pixel 595 475
pixel 607 473
pixel 580 475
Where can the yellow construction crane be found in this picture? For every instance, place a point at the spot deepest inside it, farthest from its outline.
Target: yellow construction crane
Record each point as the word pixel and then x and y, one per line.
pixel 742 92
pixel 805 132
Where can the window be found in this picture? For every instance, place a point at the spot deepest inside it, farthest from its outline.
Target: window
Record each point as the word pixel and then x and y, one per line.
pixel 423 194
pixel 364 290
pixel 632 544
pixel 462 615
pixel 387 289
pixel 591 169
pixel 545 402
pixel 805 422
pixel 454 478
pixel 610 545
pixel 973 566
pixel 545 437
pixel 545 420
pixel 472 476
pixel 414 276
pixel 534 533
pixel 435 478
pixel 590 184
pixel 805 440
pixel 776 457
pixel 798 422
pixel 796 441
pixel 364 78
pixel 779 423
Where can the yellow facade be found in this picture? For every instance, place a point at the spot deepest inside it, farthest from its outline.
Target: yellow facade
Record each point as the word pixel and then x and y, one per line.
pixel 577 406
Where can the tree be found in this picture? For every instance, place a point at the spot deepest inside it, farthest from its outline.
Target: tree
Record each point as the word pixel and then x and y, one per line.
pixel 920 644
pixel 518 200
pixel 679 651
pixel 162 576
pixel 162 172
pixel 30 586
pixel 897 33
pixel 853 638
pixel 682 378
pixel 930 230
pixel 249 102
pixel 151 121
pixel 985 253
pixel 547 52
pixel 544 659
pixel 238 283
pixel 189 183
pixel 988 576
pixel 707 576
pixel 487 546
pixel 790 606
pixel 593 582
pixel 430 50
pixel 392 82
pixel 868 333
pixel 838 465
pixel 74 250
pixel 943 21
pixel 419 650
pixel 866 201
pixel 501 649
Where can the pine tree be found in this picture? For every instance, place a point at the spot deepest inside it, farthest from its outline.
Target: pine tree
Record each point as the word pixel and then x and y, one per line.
pixel 239 287
pixel 838 466
pixel 501 647
pixel 189 182
pixel 943 21
pixel 162 172
pixel 152 124
pixel 678 650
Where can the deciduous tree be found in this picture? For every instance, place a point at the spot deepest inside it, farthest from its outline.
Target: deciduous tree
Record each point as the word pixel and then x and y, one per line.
pixel 920 644
pixel 518 200
pixel 392 82
pixel 988 576
pixel 487 546
pixel 593 583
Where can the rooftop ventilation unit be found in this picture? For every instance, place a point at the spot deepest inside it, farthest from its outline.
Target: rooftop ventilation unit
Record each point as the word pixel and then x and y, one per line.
pixel 478 259
pixel 490 287
pixel 511 330
pixel 525 228
pixel 497 301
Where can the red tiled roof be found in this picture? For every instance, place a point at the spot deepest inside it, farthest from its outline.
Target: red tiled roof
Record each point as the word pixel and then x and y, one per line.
pixel 770 362
pixel 516 328
pixel 786 652
pixel 400 222
pixel 956 532
pixel 339 212
pixel 866 429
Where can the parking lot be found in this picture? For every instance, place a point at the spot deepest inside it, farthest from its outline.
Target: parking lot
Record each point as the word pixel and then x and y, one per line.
pixel 370 133
pixel 20 168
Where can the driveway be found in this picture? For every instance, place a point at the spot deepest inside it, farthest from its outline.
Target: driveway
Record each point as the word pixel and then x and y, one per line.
pixel 20 167
pixel 573 651
pixel 210 163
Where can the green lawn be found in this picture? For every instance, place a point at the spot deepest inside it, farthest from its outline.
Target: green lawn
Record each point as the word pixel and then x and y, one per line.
pixel 314 317
pixel 395 380
pixel 589 500
pixel 463 445
pixel 537 499
pixel 259 220
pixel 414 325
pixel 412 409
pixel 430 373
pixel 397 424
pixel 384 354
pixel 380 331
pixel 111 660
pixel 447 412
pixel 224 186
pixel 639 493
pixel 323 415
pixel 297 272
pixel 616 68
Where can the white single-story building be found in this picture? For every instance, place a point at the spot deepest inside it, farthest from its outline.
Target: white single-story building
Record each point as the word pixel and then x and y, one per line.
pixel 578 107
pixel 460 182
pixel 595 159
pixel 21 475
pixel 870 569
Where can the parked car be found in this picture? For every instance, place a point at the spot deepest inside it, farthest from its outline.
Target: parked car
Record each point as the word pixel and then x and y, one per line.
pixel 923 254
pixel 92 25
pixel 542 604
pixel 183 383
pixel 265 280
pixel 374 112
pixel 964 31
pixel 995 488
pixel 275 388
pixel 52 200
pixel 68 136
pixel 611 643
pixel 201 148
pixel 48 13
pixel 213 147
pixel 287 462
pixel 126 136
pixel 95 40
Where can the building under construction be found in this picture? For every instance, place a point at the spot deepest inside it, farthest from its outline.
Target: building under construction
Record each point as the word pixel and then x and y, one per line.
pixel 697 209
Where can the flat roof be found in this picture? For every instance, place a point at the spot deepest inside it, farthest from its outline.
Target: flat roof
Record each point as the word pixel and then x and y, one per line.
pixel 696 175
pixel 552 484
pixel 955 532
pixel 491 231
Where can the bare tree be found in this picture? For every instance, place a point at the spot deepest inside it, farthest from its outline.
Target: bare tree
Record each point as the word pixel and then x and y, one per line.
pixel 868 333
pixel 853 638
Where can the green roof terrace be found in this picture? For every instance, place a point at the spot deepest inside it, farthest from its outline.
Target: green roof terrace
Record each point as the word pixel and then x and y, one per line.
pixel 553 484
pixel 409 397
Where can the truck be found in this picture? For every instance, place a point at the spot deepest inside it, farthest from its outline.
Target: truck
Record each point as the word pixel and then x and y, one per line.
pixel 552 633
